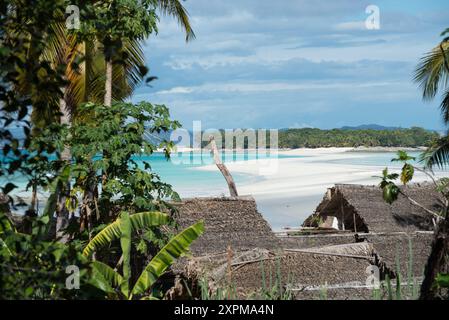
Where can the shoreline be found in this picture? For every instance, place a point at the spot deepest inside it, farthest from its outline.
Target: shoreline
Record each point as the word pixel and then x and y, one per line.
pixel 299 150
pixel 289 195
pixel 291 192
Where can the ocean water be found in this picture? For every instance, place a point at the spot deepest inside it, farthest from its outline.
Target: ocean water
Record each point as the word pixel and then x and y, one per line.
pixel 375 159
pixel 181 172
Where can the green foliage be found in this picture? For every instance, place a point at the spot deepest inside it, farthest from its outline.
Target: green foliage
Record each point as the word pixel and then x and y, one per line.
pixel 175 248
pixel 113 231
pixel 437 155
pixel 26 28
pixel 316 138
pixel 32 268
pixel 407 173
pixel 402 157
pixel 41 66
pixel 442 280
pixel 390 191
pixel 432 74
pixel 109 143
pixel 113 283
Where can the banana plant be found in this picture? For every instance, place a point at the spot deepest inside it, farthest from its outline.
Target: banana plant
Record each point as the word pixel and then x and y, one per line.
pixel 118 285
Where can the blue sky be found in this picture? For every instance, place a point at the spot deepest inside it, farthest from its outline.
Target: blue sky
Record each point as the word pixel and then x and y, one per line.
pixel 295 63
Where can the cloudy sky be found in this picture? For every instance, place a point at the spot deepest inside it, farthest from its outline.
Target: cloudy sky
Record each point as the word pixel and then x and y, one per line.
pixel 295 63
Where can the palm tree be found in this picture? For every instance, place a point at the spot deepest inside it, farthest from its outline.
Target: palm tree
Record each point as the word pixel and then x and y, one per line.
pixel 172 8
pixel 93 79
pixel 432 74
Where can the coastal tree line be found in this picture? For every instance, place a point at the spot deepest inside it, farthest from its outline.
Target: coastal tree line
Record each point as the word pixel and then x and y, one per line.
pixel 318 138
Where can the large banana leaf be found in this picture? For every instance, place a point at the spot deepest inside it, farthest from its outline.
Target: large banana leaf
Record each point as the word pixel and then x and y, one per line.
pixel 178 246
pixel 104 277
pixel 125 243
pixel 5 223
pixel 111 232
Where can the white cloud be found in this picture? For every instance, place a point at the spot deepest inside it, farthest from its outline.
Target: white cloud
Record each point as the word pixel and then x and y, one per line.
pixel 270 87
pixel 353 25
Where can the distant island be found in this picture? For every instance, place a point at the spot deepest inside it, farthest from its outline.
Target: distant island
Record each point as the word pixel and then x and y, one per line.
pixel 345 137
pixel 371 126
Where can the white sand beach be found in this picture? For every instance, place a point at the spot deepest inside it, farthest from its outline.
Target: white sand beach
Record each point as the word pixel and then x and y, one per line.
pixel 292 192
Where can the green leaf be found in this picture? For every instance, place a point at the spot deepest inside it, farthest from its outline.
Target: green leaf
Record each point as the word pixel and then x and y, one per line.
pixel 50 206
pixel 112 232
pixel 104 277
pixel 442 279
pixel 390 192
pixel 407 173
pixel 5 223
pixel 176 247
pixel 125 243
pixel 402 157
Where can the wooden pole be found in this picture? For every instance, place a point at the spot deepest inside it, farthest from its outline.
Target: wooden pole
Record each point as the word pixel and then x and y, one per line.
pixel 223 169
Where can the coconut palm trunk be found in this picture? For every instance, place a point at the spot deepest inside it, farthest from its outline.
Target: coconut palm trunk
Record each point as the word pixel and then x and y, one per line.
pixel 108 83
pixel 432 74
pixel 62 212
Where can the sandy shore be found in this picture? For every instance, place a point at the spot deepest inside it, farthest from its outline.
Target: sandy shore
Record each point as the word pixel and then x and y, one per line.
pixel 292 192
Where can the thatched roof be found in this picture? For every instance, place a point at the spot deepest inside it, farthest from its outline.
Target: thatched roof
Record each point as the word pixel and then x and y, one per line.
pixel 305 263
pixel 303 274
pixel 311 241
pixel 406 253
pixel 231 222
pixel 362 208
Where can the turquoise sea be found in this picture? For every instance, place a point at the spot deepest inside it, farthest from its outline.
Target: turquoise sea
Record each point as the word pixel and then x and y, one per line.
pixel 180 171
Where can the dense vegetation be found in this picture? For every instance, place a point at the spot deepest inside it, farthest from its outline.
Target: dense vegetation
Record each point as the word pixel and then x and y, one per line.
pixel 65 89
pixel 315 138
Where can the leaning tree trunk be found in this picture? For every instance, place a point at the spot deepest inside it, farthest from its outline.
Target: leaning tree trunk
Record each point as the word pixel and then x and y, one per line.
pixel 437 262
pixel 223 169
pixel 62 213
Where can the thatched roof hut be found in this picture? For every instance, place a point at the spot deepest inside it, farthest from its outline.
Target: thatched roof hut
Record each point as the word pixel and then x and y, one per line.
pixel 233 222
pixel 362 209
pixel 389 237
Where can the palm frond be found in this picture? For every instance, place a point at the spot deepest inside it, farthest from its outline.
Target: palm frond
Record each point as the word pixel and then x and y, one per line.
pixel 432 71
pixel 437 154
pixel 175 9
pixel 444 107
